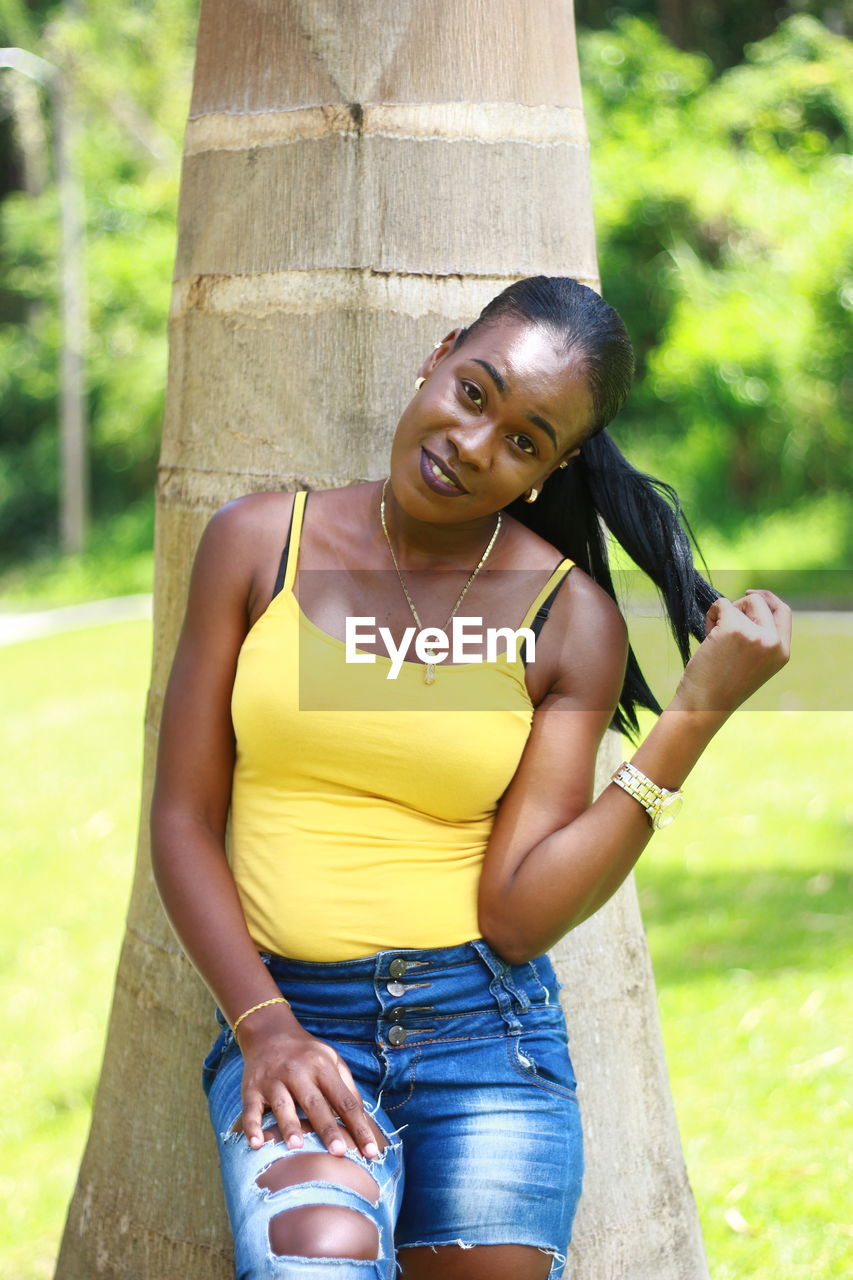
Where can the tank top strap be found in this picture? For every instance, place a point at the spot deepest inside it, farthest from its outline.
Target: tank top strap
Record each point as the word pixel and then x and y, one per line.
pixel 290 553
pixel 544 599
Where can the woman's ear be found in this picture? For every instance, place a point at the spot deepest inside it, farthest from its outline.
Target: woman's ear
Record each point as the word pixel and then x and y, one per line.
pixel 438 353
pixel 564 461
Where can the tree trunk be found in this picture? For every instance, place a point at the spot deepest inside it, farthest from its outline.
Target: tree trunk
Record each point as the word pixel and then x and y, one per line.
pixel 357 179
pixel 73 417
pixel 30 133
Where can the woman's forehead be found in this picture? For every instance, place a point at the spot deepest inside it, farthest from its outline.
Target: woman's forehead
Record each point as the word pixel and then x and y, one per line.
pixel 521 351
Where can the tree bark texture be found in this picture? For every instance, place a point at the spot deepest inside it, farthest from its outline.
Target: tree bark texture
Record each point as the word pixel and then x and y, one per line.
pixel 358 178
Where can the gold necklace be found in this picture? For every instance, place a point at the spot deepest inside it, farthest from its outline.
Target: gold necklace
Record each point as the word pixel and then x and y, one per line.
pixel 429 668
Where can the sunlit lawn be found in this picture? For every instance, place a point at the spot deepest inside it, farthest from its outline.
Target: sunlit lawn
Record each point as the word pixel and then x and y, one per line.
pixel 745 908
pixel 72 715
pixel 743 899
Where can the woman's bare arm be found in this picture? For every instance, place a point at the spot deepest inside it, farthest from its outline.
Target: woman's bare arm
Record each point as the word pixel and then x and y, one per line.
pixel 192 787
pixel 192 791
pixel 553 857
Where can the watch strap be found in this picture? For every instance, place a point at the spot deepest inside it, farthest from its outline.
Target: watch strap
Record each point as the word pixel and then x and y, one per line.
pixel 653 798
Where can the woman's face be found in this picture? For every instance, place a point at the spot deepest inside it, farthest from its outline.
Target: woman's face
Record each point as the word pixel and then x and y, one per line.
pixel 493 419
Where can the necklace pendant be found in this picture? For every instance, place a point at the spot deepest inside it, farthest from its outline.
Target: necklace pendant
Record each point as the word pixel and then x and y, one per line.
pixel 430 655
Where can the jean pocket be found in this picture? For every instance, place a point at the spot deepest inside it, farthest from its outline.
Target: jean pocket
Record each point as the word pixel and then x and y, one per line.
pixel 540 1054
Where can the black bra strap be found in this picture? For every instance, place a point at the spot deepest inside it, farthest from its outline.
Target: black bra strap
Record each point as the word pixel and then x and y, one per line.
pixel 541 616
pixel 282 564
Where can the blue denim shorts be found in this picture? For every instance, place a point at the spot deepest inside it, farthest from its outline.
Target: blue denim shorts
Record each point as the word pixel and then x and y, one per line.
pixel 462 1060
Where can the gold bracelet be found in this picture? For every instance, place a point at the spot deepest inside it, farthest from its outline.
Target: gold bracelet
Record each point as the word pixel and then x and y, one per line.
pixel 254 1009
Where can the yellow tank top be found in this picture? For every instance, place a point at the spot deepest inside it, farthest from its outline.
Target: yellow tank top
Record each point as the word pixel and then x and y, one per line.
pixel 362 806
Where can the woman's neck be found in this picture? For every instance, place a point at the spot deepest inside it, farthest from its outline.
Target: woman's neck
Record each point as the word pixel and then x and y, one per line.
pixel 420 544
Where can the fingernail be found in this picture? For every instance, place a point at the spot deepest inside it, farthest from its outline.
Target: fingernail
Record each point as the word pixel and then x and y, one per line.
pixel 337 1147
pixel 295 1140
pixel 256 1140
pixel 371 1149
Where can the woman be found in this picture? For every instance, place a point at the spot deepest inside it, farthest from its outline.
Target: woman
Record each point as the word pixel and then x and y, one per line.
pixel 412 828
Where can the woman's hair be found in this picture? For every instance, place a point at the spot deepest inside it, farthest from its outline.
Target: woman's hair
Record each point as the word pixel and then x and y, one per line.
pixel 599 487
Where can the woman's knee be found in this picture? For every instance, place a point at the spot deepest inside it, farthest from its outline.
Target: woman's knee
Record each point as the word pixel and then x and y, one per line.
pixel 324 1231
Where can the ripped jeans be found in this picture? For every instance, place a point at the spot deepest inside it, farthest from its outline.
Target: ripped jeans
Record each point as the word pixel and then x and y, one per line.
pixel 462 1060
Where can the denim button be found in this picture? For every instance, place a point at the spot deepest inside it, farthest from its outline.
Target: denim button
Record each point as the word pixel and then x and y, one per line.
pixel 396 989
pixel 397 1035
pixel 398 967
pixel 396 1015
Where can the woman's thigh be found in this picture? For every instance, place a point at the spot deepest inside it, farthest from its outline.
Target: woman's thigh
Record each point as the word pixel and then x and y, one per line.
pixel 291 1210
pixel 494 1157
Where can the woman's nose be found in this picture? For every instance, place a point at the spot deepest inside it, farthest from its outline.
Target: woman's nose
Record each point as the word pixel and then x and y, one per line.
pixel 473 443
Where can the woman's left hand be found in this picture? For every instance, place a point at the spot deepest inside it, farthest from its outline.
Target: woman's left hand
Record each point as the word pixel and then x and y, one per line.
pixel 746 642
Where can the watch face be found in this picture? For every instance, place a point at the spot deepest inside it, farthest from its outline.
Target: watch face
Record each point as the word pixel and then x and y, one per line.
pixel 668 810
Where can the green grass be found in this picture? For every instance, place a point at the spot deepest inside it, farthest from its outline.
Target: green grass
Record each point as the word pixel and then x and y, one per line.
pixel 744 902
pixel 72 717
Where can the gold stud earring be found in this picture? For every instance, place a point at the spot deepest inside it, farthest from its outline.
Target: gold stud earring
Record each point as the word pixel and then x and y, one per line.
pixel 531 496
pixel 419 382
pixel 564 464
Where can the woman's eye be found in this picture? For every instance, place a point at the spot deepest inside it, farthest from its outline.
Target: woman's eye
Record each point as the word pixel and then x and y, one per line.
pixel 473 393
pixel 524 443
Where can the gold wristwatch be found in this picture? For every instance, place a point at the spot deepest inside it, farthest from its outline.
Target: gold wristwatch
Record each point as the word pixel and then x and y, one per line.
pixel 661 805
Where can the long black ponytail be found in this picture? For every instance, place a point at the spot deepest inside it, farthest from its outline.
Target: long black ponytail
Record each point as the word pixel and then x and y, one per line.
pixel 599 487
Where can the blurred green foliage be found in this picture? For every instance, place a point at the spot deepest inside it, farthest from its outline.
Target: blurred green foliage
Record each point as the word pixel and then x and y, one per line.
pixel 720 203
pixel 130 68
pixel 721 207
pixel 718 28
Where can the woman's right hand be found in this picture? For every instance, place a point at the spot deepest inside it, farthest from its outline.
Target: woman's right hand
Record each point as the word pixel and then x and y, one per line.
pixel 747 641
pixel 285 1067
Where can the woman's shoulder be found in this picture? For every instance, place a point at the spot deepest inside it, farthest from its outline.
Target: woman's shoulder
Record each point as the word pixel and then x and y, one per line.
pixel 262 519
pixel 248 534
pixel 241 537
pixel 586 635
pixel 252 512
pixel 529 550
pixel 257 509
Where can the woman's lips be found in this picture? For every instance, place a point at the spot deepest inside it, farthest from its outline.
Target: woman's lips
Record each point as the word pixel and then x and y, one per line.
pixel 435 477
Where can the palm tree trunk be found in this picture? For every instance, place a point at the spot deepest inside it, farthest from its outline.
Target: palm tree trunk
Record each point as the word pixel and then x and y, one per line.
pixel 357 179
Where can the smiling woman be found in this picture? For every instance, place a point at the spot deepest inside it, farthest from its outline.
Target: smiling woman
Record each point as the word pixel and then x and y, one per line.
pixel 384 906
pixel 509 399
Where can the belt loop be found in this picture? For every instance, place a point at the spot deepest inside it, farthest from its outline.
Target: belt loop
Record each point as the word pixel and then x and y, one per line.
pixel 491 960
pixel 503 985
